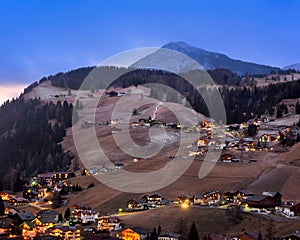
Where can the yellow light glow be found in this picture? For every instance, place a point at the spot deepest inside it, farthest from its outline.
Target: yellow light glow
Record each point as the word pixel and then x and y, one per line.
pixel 184 205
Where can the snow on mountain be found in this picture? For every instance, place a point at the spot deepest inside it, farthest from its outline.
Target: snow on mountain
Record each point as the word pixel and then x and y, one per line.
pixel 207 60
pixel 295 66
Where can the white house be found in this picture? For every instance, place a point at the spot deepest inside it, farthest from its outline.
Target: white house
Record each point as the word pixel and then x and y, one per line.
pixel 89 216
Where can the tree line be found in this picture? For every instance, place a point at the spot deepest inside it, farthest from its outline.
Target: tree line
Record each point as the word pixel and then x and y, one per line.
pixel 30 142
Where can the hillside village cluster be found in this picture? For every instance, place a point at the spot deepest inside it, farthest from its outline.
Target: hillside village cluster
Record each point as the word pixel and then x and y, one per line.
pixel 47 191
pixel 82 222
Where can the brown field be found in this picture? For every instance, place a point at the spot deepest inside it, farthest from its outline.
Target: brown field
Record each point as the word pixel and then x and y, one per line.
pixel 207 220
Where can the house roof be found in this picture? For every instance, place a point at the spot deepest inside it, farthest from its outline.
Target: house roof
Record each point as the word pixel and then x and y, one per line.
pixel 48 212
pixel 271 194
pixel 63 228
pixel 154 195
pixel 47 219
pixel 257 198
pixel 171 234
pixel 50 174
pixel 26 216
pixel 246 192
pixel 295 234
pixel 139 230
pixel 29 223
pixel 111 219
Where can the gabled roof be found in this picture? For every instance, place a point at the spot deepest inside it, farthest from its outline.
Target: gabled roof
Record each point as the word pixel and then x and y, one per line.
pixel 47 212
pixel 110 219
pixel 29 223
pixel 271 194
pixel 154 195
pixel 26 216
pixel 257 198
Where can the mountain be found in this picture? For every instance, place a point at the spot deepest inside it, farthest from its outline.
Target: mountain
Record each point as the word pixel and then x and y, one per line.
pixel 208 60
pixel 295 66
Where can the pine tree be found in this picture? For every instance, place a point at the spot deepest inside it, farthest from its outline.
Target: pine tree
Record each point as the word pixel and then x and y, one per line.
pixel 193 234
pixel 60 218
pixel 158 230
pixel 153 235
pixel 2 208
pixel 67 214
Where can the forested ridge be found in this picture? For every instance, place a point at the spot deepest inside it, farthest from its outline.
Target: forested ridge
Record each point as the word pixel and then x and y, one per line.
pixel 242 98
pixel 30 136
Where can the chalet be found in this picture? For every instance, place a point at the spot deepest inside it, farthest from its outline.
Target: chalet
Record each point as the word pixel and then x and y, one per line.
pixel 45 178
pixel 276 195
pixel 54 177
pixel 50 215
pixel 43 223
pixel 202 142
pixel 5 229
pixel 153 199
pixel 187 198
pixel 237 196
pixel 207 198
pixel 135 233
pixel 205 124
pixel 65 232
pixel 77 209
pixel 290 209
pixel 21 217
pixel 88 216
pixel 28 230
pixel 268 137
pixel 61 176
pixel 137 205
pixel 109 223
pixel 171 236
pixel 226 157
pixel 293 236
pixel 262 201
pixel 30 193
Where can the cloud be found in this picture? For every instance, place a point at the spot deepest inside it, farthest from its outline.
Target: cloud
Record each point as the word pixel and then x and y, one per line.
pixel 9 91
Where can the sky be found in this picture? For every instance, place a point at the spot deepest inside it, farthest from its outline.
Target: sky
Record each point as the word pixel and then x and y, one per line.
pixel 43 37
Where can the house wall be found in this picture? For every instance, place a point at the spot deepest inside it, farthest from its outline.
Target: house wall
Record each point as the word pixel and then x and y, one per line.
pixel 268 202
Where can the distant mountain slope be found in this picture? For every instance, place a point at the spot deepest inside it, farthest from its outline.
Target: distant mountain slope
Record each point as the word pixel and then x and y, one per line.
pixel 208 60
pixel 295 66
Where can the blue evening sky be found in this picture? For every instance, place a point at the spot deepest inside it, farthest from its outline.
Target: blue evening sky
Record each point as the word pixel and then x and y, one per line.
pixel 43 37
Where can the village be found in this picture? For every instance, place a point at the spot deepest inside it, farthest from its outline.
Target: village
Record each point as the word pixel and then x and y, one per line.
pixel 80 221
pixel 242 143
